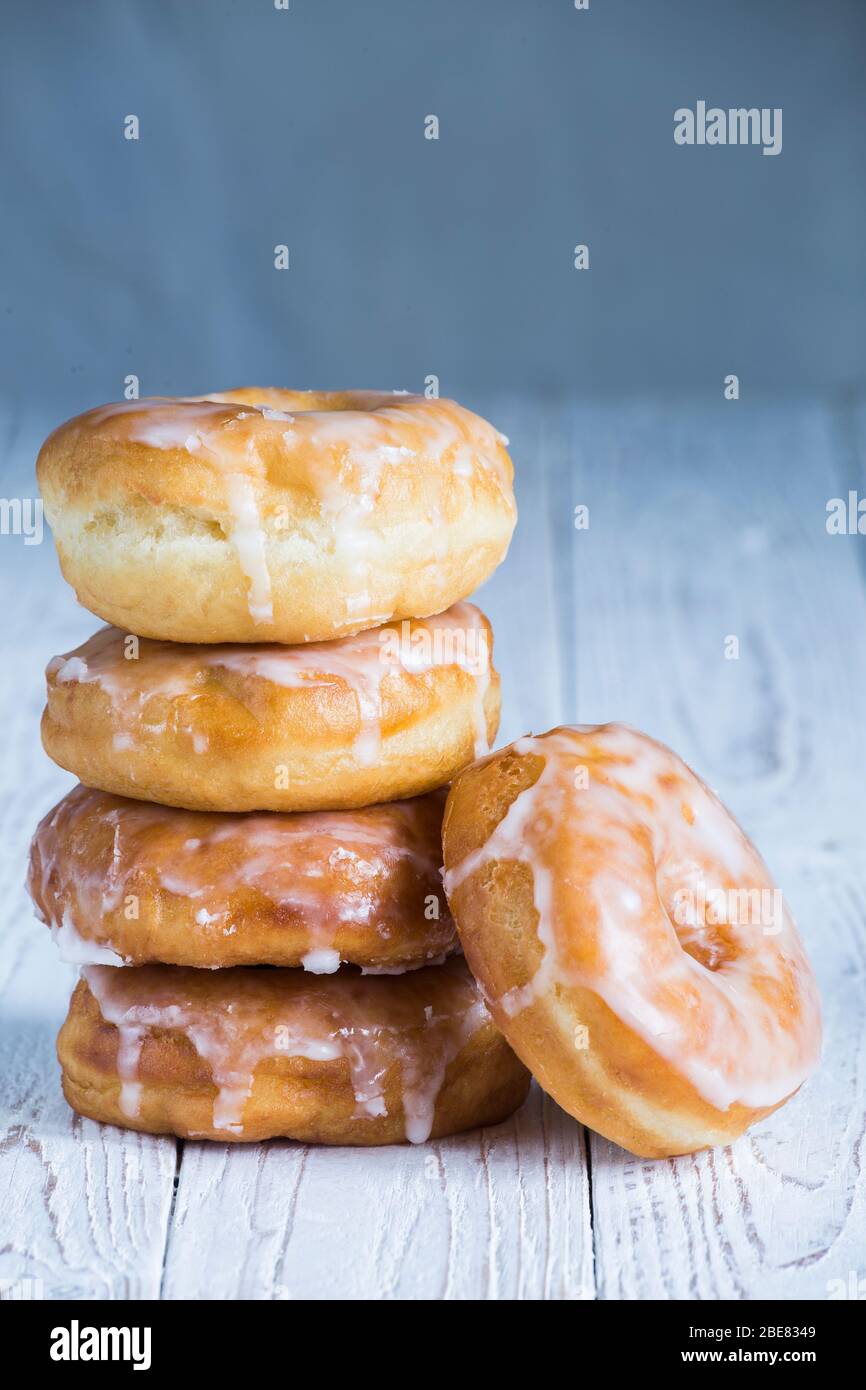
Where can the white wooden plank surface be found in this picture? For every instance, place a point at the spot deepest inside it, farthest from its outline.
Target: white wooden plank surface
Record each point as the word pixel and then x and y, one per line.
pixel 496 1213
pixel 704 523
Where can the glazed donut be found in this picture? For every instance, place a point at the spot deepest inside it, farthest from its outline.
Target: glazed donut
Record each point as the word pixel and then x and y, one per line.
pixel 384 715
pixel 628 939
pixel 127 882
pixel 263 515
pixel 255 1054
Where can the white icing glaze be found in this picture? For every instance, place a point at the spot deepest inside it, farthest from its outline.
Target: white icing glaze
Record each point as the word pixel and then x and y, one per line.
pixel 237 1019
pixel 322 961
pixel 643 830
pixel 457 637
pixel 248 537
pixel 72 669
pixel 128 1054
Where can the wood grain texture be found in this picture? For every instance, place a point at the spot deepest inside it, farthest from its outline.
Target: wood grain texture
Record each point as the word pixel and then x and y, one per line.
pixel 498 1213
pixel 705 523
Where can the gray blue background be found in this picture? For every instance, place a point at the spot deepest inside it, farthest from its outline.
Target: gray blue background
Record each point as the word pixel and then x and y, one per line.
pixel 409 256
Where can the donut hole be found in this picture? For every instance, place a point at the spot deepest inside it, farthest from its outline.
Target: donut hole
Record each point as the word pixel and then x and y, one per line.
pixel 698 909
pixel 711 944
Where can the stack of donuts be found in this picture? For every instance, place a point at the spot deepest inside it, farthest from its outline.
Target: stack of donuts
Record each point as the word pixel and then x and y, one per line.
pixel 250 870
pixel 249 873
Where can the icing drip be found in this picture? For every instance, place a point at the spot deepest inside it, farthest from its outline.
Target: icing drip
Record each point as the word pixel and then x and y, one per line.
pixel 363 663
pixel 322 961
pixel 237 1019
pixel 129 1046
pixel 618 832
pixel 204 429
pixel 75 949
pixel 248 538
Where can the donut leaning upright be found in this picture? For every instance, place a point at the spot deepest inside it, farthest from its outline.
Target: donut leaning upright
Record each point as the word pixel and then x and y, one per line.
pixel 291 677
pixel 629 939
